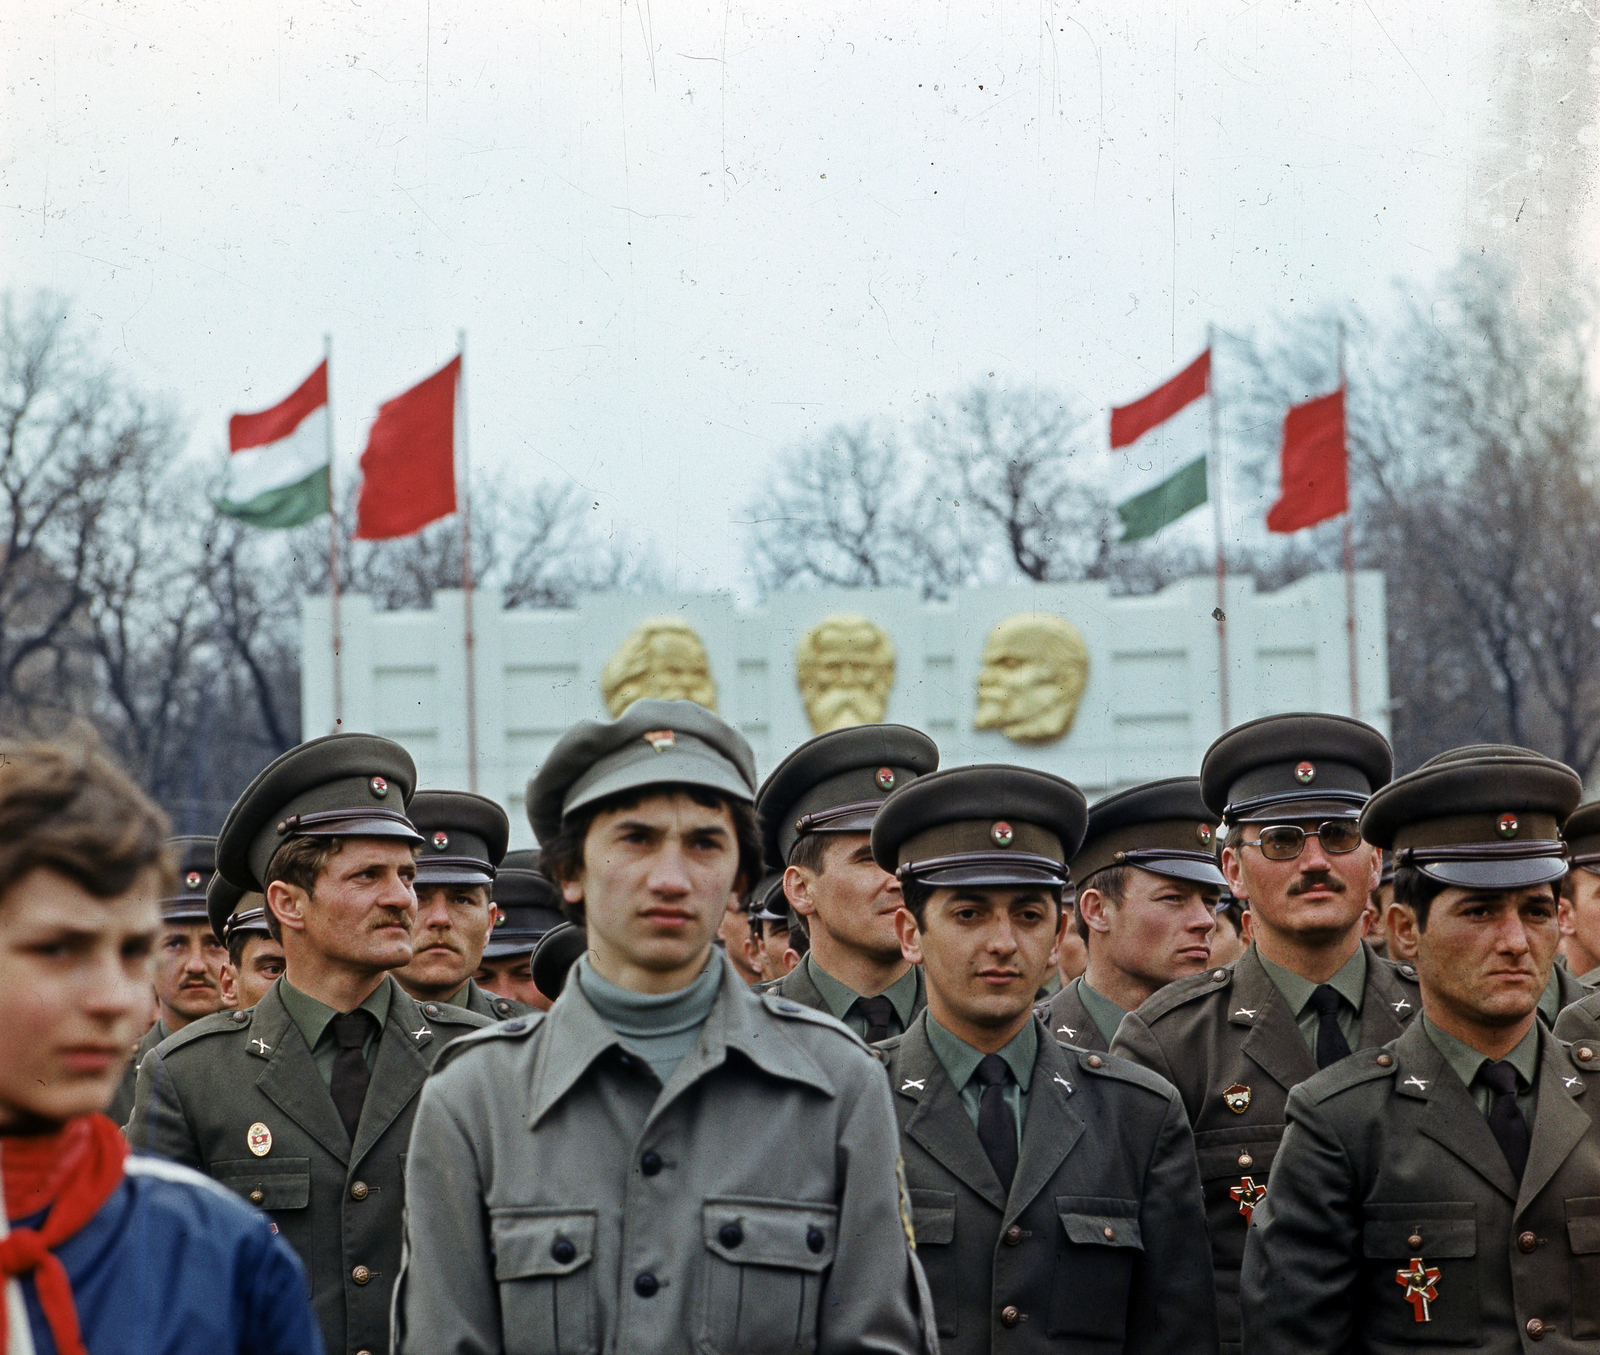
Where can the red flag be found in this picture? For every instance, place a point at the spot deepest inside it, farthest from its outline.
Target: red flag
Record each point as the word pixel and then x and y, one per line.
pixel 408 470
pixel 1313 485
pixel 275 424
pixel 1130 422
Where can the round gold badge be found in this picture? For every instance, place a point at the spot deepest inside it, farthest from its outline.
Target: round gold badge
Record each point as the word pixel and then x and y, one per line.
pixel 259 1139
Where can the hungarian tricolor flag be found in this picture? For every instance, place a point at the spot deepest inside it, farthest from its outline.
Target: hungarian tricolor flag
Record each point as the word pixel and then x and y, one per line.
pixel 409 468
pixel 1131 422
pixel 1184 490
pixel 1313 485
pixel 277 473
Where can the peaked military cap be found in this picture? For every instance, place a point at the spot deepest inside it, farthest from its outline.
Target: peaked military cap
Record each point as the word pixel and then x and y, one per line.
pixel 1162 826
pixel 767 901
pixel 1294 766
pixel 341 785
pixel 836 782
pixel 1478 820
pixel 554 956
pixel 652 743
pixel 1582 835
pixel 222 901
pixel 985 825
pixel 464 836
pixel 197 867
pixel 524 858
pixel 247 921
pixel 530 907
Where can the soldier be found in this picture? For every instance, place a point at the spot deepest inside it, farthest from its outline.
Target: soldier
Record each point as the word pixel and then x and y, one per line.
pixel 255 959
pixel 733 934
pixel 1235 1040
pixel 769 926
pixel 1231 938
pixel 463 840
pixel 189 960
pixel 303 1103
pixel 1580 894
pixel 529 906
pixel 666 1160
pixel 1054 1192
pixel 816 815
pixel 1148 885
pixel 1444 1191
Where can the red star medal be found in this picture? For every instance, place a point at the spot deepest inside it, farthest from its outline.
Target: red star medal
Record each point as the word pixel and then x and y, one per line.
pixel 1249 1195
pixel 1422 1286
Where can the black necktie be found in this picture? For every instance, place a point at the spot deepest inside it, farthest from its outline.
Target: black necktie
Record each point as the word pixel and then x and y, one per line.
pixel 1331 1044
pixel 350 1072
pixel 879 1011
pixel 997 1126
pixel 1505 1116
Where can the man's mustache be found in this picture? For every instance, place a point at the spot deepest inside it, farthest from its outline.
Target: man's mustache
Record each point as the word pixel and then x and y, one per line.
pixel 1304 884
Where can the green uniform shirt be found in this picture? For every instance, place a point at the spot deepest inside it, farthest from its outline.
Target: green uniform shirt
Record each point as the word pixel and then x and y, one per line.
pixel 1106 1014
pixel 961 1061
pixel 315 1020
pixel 1465 1062
pixel 902 995
pixel 1350 983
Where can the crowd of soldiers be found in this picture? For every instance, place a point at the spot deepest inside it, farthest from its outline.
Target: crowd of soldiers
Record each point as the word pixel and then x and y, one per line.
pixel 1289 1056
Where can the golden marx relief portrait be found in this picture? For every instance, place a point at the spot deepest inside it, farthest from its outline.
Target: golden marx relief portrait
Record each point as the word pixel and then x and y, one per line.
pixel 1035 667
pixel 844 666
pixel 663 658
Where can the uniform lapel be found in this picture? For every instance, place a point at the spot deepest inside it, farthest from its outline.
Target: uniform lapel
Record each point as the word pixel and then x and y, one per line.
pixel 796 985
pixel 940 1123
pixel 1051 1127
pixel 290 1079
pixel 1386 1008
pixel 400 1069
pixel 1274 1040
pixel 1559 1123
pixel 1068 1019
pixel 1451 1117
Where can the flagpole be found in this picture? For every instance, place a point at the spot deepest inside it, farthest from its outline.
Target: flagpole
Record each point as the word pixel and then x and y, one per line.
pixel 1349 550
pixel 1217 521
pixel 466 567
pixel 333 546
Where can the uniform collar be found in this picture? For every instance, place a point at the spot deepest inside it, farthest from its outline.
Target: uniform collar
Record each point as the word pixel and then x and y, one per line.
pixel 1105 1013
pixel 313 1017
pixel 1350 982
pixel 1465 1061
pixel 902 993
pixel 961 1060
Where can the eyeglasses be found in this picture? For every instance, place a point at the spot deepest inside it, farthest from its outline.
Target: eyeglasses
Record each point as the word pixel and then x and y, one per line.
pixel 1284 841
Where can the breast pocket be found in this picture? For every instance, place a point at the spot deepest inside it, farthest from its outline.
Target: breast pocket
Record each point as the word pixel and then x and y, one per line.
pixel 1583 1236
pixel 1099 1247
pixel 277 1185
pixel 1422 1273
pixel 766 1262
pixel 1234 1160
pixel 933 1222
pixel 544 1267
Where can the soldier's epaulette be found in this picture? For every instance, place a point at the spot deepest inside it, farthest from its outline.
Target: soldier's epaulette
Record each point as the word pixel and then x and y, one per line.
pixel 1403 969
pixel 1123 1070
pixel 218 1023
pixel 791 1010
pixel 452 1015
pixel 1182 991
pixel 518 1028
pixel 1367 1065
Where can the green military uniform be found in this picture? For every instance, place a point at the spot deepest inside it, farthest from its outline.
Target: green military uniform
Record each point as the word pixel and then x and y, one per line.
pixel 1078 1018
pixel 1396 1217
pixel 485 1003
pixel 835 783
pixel 562 1198
pixel 244 1096
pixel 1229 1039
pixel 1097 1240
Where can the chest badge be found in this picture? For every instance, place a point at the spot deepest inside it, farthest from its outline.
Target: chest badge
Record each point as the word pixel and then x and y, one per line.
pixel 259 1138
pixel 1422 1287
pixel 1249 1195
pixel 1237 1098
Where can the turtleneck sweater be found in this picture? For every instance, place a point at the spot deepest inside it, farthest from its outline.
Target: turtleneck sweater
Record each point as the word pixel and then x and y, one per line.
pixel 659 1027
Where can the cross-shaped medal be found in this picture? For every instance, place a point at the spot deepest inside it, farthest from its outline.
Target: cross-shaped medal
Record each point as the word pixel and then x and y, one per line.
pixel 1422 1287
pixel 1249 1195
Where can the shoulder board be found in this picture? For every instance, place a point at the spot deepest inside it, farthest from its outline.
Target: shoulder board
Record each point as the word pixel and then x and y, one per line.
pixel 1368 1065
pixel 518 1028
pixel 218 1023
pixel 1181 992
pixel 1122 1070
pixel 790 1010
pixel 449 1015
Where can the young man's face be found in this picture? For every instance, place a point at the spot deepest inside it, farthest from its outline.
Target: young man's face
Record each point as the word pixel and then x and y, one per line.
pixel 774 941
pixel 188 972
pixel 1226 943
pixel 1583 911
pixel 852 898
pixel 1484 957
pixel 984 952
pixel 512 977
pixel 1316 896
pixel 260 966
pixel 654 887
pixel 1159 932
pixel 453 926
pixel 362 911
pixel 734 931
pixel 75 974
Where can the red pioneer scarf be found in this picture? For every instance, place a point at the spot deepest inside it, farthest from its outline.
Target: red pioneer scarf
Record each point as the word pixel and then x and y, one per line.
pixel 72 1173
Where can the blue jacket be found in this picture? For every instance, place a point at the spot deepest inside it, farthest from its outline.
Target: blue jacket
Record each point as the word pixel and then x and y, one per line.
pixel 174 1264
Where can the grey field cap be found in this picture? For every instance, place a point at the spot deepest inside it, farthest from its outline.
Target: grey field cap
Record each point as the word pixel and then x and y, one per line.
pixel 652 743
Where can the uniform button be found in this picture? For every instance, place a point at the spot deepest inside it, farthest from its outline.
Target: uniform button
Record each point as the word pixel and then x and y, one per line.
pixel 815 1241
pixel 238 1018
pixel 650 1163
pixel 360 1274
pixel 645 1285
pixel 1526 1242
pixel 1010 1316
pixel 562 1251
pixel 363 1352
pixel 1584 1052
pixel 1109 1233
pixel 1013 1235
pixel 503 1008
pixel 257 1195
pixel 1384 1060
pixel 1414 1241
pixel 730 1235
pixel 1245 1160
pixel 1095 1061
pixel 1535 1329
pixel 431 1008
pixel 359 1190
pixel 1217 975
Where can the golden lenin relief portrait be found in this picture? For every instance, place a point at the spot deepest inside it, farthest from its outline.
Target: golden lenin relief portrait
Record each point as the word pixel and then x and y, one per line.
pixel 844 666
pixel 1035 667
pixel 663 658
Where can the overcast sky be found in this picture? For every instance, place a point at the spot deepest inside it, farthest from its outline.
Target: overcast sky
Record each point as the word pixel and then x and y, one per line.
pixel 681 237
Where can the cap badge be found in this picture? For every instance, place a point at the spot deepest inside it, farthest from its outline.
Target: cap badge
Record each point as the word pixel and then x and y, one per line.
pixel 499 918
pixel 1001 834
pixel 192 879
pixel 379 786
pixel 1305 773
pixel 1203 832
pixel 885 778
pixel 1237 1098
pixel 259 1139
pixel 661 739
pixel 441 840
pixel 1506 825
